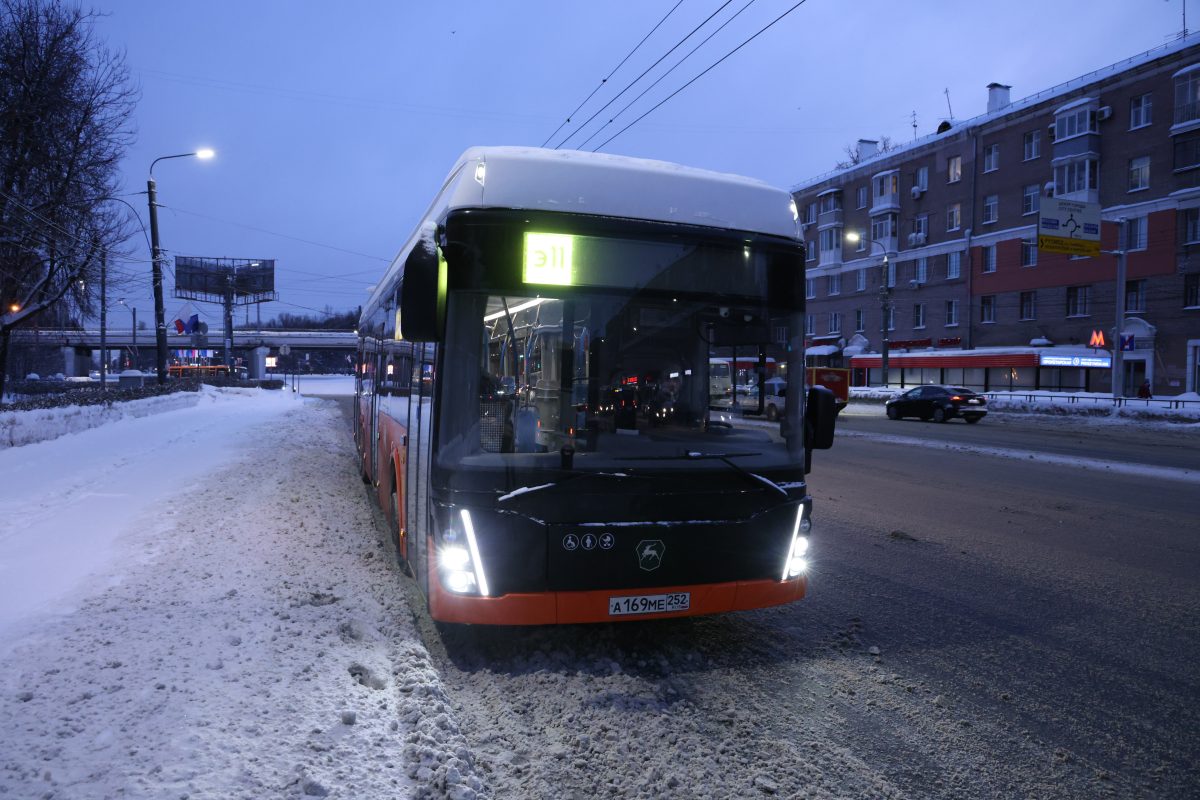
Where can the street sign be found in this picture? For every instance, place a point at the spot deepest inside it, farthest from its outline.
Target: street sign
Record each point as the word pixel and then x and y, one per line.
pixel 1127 342
pixel 1069 227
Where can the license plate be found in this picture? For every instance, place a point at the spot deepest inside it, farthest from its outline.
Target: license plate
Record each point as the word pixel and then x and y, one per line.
pixel 974 401
pixel 649 603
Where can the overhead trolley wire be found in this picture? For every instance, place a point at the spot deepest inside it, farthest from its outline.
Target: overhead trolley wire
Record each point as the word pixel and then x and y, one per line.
pixel 603 81
pixel 702 74
pixel 659 79
pixel 631 84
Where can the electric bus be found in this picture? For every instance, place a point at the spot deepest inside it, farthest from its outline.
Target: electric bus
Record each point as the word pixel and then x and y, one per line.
pixel 533 396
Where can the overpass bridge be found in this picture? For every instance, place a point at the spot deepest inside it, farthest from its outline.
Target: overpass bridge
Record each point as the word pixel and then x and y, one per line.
pixel 253 346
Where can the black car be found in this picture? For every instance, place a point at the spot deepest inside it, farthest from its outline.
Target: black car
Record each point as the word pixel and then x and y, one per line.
pixel 938 403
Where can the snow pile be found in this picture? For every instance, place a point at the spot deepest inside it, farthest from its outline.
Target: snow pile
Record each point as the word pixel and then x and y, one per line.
pixel 200 606
pixel 1176 407
pixel 19 428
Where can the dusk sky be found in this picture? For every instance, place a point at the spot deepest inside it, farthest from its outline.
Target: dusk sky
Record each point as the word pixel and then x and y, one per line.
pixel 334 125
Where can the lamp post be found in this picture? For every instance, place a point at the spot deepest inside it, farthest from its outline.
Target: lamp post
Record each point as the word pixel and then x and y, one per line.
pixel 160 325
pixel 885 302
pixel 133 353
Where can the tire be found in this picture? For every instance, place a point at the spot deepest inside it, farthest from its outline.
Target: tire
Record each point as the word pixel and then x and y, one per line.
pixel 893 413
pixel 939 414
pixel 973 419
pixel 772 413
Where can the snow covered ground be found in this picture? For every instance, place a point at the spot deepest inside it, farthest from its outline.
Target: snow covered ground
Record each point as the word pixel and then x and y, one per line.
pixel 189 609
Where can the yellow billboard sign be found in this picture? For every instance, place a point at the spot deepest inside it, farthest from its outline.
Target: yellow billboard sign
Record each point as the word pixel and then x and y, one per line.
pixel 1069 227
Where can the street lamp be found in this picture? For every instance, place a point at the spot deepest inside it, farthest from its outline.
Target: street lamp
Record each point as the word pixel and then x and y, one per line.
pixel 133 351
pixel 160 325
pixel 885 301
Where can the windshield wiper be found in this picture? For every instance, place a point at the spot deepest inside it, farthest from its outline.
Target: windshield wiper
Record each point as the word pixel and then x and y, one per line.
pixel 696 455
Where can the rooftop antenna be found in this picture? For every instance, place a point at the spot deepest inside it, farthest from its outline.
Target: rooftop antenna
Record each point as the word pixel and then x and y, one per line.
pixel 914 124
pixel 948 108
pixel 1183 9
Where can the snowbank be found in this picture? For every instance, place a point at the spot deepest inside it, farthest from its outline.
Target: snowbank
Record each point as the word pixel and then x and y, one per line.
pixel 19 428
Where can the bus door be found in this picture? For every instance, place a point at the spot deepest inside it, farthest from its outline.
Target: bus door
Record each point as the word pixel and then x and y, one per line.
pixel 416 490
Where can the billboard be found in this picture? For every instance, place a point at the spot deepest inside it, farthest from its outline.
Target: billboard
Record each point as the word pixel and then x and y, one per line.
pixel 1069 227
pixel 244 280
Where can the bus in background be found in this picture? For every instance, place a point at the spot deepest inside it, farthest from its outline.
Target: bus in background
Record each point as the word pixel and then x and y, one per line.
pixel 533 394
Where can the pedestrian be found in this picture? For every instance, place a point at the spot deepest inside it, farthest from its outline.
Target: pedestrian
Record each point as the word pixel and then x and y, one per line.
pixel 1144 390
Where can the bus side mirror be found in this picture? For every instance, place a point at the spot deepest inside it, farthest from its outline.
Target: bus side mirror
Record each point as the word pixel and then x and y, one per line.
pixel 820 415
pixel 423 295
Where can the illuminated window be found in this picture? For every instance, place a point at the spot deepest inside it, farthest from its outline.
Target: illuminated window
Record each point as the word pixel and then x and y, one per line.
pixel 954 169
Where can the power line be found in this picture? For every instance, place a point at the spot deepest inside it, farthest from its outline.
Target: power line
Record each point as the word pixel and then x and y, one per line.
pixel 659 79
pixel 276 233
pixel 701 75
pixel 603 81
pixel 631 84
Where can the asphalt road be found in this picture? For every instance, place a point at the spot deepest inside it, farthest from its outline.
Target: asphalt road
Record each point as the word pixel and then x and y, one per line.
pixel 1007 609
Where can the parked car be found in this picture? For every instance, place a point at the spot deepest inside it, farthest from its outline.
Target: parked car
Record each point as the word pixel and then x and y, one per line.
pixel 836 380
pixel 938 403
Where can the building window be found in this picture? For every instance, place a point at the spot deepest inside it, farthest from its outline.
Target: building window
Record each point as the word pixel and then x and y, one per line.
pixel 1139 173
pixel 810 288
pixel 1135 296
pixel 1139 111
pixel 860 320
pixel 835 283
pixel 1191 290
pixel 887 186
pixel 987 308
pixel 835 323
pixel 1187 97
pixel 810 325
pixel 1078 300
pixel 1028 305
pixel 1187 153
pixel 891 274
pixel 860 280
pixel 1075 176
pixel 1029 252
pixel 861 197
pixel 1031 201
pixel 991 158
pixel 921 270
pixel 918 316
pixel 829 203
pixel 921 226
pixel 953 217
pixel 863 241
pixel 953 265
pixel 1033 145
pixel 1075 122
pixel 891 318
pixel 883 227
pixel 810 252
pixel 954 169
pixel 831 244
pixel 991 208
pixel 810 213
pixel 951 313
pixel 1191 225
pixel 1135 234
pixel 988 253
pixel 780 335
pixel 921 178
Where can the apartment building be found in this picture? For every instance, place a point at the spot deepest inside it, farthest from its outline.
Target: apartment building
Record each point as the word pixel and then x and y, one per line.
pixel 932 247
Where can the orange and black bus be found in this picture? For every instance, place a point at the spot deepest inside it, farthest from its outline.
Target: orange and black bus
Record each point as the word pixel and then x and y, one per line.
pixel 533 399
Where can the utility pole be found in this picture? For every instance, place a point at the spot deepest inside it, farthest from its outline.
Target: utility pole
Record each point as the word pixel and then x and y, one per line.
pixel 160 326
pixel 1118 363
pixel 103 321
pixel 885 296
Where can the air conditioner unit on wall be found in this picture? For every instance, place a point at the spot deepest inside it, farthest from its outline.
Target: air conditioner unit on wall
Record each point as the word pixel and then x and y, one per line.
pixel 1104 113
pixel 917 191
pixel 916 239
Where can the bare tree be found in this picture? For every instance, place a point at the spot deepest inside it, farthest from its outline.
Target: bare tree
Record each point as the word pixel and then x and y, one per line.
pixel 65 107
pixel 854 155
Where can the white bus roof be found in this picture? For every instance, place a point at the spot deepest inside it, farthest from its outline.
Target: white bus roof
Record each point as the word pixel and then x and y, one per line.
pixel 570 181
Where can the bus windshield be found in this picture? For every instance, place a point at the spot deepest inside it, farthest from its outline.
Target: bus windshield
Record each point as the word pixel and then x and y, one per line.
pixel 624 380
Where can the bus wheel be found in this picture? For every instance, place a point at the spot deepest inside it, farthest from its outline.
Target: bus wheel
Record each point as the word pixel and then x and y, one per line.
pixel 401 545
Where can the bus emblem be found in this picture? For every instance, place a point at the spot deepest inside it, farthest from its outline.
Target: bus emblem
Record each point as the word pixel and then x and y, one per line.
pixel 650 554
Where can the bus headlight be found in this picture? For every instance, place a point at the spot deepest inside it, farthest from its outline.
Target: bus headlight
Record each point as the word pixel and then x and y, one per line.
pixel 459 562
pixel 796 564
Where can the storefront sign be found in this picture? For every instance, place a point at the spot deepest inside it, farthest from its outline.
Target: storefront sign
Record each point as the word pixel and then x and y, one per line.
pixel 1093 362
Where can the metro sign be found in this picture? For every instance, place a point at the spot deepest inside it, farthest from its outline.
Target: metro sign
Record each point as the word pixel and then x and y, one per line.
pixel 1097 339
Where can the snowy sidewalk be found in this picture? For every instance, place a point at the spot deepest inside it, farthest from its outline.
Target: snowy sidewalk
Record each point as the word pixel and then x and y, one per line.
pixel 196 604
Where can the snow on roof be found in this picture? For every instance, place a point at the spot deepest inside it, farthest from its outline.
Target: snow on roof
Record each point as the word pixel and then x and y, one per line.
pixel 600 184
pixel 1062 89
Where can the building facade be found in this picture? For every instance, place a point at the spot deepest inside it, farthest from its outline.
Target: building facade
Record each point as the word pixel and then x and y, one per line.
pixel 932 247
